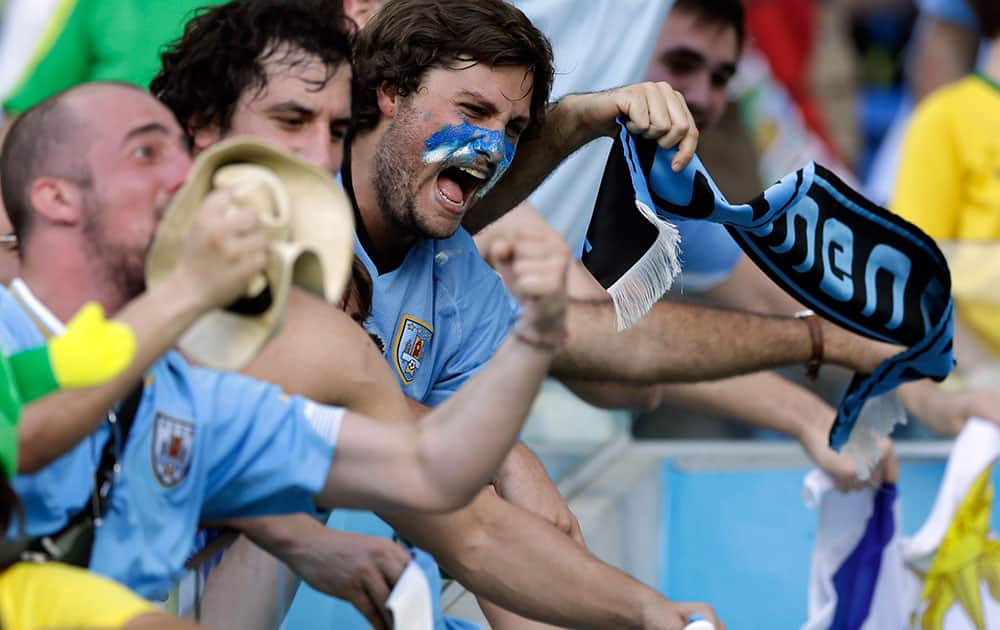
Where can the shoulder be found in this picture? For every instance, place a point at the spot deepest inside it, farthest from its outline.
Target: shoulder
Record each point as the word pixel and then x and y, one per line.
pixel 327 355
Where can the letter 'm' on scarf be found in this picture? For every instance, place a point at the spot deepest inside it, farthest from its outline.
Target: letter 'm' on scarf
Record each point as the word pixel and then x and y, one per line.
pixel 852 262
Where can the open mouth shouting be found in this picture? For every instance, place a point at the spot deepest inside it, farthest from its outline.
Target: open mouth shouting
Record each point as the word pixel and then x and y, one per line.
pixel 457 185
pixel 472 160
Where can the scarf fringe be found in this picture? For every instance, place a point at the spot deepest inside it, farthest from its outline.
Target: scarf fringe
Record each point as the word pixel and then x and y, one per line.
pixel 651 276
pixel 877 419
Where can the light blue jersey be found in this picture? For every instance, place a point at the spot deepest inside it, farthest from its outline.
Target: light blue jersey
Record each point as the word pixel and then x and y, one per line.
pixel 441 315
pixel 204 446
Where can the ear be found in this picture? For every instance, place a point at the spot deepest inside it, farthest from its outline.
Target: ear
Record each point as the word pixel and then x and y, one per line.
pixel 388 99
pixel 57 200
pixel 203 133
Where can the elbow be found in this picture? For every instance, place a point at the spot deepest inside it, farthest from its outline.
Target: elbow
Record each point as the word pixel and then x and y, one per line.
pixel 438 488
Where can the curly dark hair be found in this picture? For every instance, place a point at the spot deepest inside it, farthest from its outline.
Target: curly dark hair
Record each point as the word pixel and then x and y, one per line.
pixel 406 38
pixel 219 56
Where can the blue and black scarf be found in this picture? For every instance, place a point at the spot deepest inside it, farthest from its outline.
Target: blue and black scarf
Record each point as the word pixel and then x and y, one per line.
pixel 852 262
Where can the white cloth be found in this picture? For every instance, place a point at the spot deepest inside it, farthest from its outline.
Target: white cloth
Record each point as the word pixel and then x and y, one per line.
pixel 410 600
pixel 843 518
pixel 598 45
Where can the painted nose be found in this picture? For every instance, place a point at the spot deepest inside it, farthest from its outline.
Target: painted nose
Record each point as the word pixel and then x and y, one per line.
pixel 492 146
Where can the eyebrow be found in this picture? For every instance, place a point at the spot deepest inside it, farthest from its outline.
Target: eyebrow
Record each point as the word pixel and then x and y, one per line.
pixel 491 109
pixel 691 54
pixel 292 107
pixel 684 52
pixel 156 128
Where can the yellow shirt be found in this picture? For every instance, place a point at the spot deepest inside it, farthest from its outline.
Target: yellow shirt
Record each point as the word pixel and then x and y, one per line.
pixel 52 595
pixel 949 185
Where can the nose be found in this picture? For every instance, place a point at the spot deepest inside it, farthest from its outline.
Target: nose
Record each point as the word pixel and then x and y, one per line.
pixel 492 145
pixel 178 172
pixel 698 90
pixel 318 148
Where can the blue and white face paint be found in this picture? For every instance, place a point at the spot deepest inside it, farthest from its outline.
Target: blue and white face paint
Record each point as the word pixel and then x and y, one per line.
pixel 480 156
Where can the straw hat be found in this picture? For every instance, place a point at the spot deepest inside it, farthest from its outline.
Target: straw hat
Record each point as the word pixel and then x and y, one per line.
pixel 308 220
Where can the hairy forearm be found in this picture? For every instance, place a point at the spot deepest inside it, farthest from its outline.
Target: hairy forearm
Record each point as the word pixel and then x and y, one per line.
pixel 463 441
pixel 536 157
pixel 55 424
pixel 284 537
pixel 762 399
pixel 685 343
pixel 511 557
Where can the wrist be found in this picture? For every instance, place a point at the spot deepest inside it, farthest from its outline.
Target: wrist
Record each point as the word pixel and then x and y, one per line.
pixel 574 127
pixel 815 330
pixel 651 609
pixel 545 341
pixel 181 297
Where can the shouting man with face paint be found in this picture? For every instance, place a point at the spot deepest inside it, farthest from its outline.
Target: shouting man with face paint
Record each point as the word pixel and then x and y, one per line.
pixel 419 111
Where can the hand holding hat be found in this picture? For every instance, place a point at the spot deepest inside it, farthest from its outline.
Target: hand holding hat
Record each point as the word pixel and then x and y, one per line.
pixel 306 219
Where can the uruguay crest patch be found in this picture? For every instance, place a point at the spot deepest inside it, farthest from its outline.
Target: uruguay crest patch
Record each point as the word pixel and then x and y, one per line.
pixel 412 339
pixel 173 443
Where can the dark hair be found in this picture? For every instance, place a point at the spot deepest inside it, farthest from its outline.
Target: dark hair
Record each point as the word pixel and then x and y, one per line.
pixel 218 57
pixel 988 13
pixel 40 143
pixel 362 290
pixel 722 12
pixel 406 38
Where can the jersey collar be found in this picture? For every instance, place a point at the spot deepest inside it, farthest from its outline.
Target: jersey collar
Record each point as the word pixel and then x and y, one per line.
pixel 39 310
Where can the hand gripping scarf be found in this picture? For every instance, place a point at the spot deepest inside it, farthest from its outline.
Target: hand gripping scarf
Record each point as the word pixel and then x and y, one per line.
pixel 850 261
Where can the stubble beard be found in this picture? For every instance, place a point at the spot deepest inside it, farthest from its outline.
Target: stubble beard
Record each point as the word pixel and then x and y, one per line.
pixel 397 176
pixel 121 268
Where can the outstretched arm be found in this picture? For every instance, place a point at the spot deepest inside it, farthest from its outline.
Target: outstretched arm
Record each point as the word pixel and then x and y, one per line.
pixel 685 343
pixel 767 401
pixel 225 251
pixel 547 576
